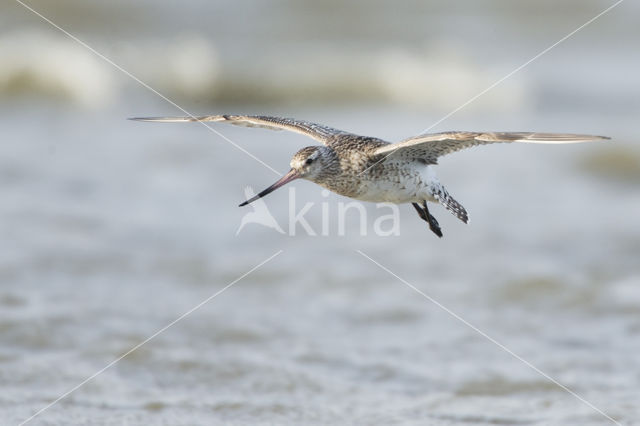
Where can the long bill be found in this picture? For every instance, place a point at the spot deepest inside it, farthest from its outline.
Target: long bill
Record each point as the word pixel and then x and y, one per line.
pixel 291 175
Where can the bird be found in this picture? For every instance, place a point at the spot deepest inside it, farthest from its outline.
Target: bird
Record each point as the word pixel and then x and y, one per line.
pixel 371 169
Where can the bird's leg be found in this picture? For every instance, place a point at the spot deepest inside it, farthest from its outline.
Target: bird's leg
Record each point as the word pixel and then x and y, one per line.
pixel 420 211
pixel 424 214
pixel 433 223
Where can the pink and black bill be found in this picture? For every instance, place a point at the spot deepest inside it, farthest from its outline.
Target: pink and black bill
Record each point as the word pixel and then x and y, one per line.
pixel 291 175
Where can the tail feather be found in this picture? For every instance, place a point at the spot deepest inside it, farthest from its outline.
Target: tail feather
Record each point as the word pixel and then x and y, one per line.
pixel 452 205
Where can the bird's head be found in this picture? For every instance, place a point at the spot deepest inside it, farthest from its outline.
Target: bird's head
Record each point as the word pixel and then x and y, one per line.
pixel 308 163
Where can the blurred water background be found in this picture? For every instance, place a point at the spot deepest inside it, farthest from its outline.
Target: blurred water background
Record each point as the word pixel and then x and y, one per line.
pixel 111 229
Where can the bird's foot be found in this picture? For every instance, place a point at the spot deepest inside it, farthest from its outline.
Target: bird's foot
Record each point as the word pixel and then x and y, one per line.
pixel 423 212
pixel 434 226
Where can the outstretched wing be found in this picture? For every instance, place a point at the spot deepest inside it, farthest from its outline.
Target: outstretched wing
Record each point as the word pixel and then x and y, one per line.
pixel 430 147
pixel 316 131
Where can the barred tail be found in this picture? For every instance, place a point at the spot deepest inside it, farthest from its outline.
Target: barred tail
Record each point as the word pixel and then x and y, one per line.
pixel 452 205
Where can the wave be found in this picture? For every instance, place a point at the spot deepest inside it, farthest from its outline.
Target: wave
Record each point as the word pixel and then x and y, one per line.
pixel 37 63
pixel 190 67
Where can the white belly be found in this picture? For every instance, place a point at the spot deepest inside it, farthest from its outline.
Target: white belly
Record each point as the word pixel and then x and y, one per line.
pixel 409 185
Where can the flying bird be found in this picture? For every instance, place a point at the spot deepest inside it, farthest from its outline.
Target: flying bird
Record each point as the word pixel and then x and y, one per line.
pixel 371 169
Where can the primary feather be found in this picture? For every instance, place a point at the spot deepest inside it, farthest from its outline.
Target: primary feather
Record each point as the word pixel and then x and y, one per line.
pixel 429 147
pixel 316 131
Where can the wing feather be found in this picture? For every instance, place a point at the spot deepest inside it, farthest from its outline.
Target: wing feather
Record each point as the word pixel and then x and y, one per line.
pixel 316 131
pixel 429 147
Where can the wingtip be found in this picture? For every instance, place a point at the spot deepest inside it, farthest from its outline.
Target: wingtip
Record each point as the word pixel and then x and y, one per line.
pixel 560 138
pixel 167 119
pixel 594 138
pixel 243 204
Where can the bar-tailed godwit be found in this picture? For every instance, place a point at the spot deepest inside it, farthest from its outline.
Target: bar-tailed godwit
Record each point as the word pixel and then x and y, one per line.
pixel 371 169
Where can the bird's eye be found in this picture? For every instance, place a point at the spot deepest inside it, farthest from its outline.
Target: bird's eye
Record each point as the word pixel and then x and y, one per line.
pixel 309 161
